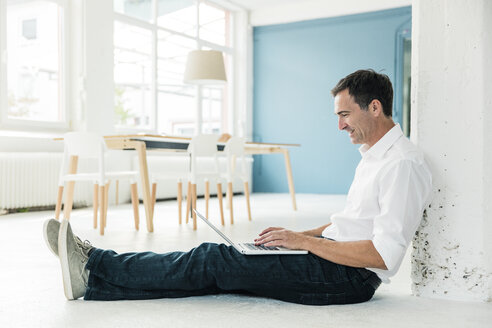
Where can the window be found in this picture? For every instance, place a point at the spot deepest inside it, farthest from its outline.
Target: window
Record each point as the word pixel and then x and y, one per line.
pixel 176 104
pixel 151 44
pixel 133 74
pixel 33 86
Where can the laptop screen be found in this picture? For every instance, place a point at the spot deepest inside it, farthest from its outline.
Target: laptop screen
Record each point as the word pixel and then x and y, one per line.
pixel 211 225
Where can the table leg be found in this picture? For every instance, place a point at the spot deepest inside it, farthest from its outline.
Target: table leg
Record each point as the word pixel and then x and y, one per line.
pixel 288 169
pixel 144 176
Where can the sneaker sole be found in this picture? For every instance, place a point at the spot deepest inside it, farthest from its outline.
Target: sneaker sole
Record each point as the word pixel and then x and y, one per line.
pixel 45 235
pixel 63 255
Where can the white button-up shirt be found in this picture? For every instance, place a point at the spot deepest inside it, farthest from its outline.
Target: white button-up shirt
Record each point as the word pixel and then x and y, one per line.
pixel 391 188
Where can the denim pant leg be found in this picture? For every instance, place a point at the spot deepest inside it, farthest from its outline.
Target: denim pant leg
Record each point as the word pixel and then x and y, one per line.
pixel 211 269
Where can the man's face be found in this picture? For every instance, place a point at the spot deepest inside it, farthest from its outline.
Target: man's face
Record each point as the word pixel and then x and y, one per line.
pixel 359 123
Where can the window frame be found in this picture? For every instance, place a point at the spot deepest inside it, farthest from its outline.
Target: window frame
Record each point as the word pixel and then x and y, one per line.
pixel 64 76
pixel 154 29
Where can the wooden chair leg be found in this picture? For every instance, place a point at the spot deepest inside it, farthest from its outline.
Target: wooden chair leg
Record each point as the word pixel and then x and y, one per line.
pixel 188 202
pixel 246 193
pixel 67 208
pixel 59 199
pixel 207 197
pixel 228 197
pixel 193 192
pixel 106 202
pixel 135 204
pixel 180 200
pixel 95 200
pixel 72 168
pixel 219 195
pixel 102 205
pixel 229 191
pixel 154 192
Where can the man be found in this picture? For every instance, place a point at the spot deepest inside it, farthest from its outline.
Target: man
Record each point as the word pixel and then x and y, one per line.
pixel 348 258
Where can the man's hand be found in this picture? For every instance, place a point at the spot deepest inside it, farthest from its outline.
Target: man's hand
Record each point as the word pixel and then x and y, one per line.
pixel 275 236
pixel 359 254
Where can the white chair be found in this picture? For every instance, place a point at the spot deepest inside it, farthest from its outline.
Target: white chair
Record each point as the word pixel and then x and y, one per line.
pixel 91 146
pixel 234 150
pixel 200 149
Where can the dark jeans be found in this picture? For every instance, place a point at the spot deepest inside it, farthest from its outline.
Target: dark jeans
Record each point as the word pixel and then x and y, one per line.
pixel 213 269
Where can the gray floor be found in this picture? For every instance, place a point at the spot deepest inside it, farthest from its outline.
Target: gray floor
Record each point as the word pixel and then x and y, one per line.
pixel 31 293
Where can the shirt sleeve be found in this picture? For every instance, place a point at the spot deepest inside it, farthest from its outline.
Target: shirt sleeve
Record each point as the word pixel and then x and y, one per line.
pixel 404 190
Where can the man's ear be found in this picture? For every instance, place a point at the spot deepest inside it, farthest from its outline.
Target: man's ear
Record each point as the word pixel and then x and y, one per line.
pixel 376 108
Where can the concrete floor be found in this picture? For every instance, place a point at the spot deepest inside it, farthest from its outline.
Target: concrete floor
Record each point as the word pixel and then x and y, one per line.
pixel 31 293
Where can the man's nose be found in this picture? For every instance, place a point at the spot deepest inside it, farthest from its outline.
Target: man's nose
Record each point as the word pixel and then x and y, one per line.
pixel 341 124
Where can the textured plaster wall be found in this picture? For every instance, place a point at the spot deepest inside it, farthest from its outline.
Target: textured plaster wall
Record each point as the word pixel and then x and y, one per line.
pixel 451 121
pixel 487 146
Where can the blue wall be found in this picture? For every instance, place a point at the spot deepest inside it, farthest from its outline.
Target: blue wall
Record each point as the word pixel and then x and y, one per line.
pixel 295 67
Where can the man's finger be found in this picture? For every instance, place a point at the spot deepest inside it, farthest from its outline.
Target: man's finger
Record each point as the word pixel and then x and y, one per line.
pixel 274 243
pixel 268 237
pixel 267 230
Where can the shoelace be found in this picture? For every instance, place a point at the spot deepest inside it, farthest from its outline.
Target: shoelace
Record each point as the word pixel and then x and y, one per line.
pixel 85 246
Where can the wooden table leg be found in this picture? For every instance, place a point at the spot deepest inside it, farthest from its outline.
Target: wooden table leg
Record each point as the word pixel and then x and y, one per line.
pixel 144 175
pixel 288 169
pixel 246 194
pixel 135 204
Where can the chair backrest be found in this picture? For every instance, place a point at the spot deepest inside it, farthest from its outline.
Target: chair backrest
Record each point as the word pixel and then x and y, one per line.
pixel 234 149
pixel 84 144
pixel 235 146
pixel 203 145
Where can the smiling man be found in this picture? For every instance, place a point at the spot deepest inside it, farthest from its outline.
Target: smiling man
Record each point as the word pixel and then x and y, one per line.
pixel 348 258
pixel 363 103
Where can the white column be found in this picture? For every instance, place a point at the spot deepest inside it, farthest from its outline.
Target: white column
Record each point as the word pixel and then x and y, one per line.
pixel 452 124
pixel 93 61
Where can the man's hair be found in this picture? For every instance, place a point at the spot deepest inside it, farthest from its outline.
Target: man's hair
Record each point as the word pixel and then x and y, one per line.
pixel 365 86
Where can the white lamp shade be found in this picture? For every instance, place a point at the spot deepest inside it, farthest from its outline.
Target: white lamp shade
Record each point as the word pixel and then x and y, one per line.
pixel 205 67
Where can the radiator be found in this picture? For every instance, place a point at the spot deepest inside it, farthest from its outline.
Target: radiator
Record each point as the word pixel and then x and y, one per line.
pixel 31 180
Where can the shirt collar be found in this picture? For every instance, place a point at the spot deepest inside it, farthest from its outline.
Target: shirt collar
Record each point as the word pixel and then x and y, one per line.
pixel 381 147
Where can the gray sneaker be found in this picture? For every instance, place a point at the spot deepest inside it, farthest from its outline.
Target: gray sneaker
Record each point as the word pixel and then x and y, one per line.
pixel 51 229
pixel 74 255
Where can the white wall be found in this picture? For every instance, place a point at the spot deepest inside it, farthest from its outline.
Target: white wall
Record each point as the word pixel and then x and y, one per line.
pixel 451 122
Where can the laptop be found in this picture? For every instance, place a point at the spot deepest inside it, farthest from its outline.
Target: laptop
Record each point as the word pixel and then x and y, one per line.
pixel 251 248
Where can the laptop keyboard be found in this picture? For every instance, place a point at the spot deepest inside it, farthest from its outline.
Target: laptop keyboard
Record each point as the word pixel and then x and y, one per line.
pixel 260 247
